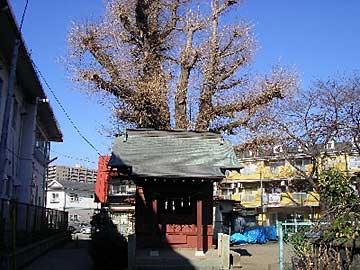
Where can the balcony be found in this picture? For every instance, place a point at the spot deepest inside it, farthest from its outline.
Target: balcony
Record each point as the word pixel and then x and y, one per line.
pixel 285 199
pixel 122 190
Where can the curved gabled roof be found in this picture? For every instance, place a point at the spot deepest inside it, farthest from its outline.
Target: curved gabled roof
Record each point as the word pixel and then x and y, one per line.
pixel 185 154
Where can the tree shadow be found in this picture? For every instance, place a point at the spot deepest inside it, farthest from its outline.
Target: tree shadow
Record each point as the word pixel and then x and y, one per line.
pixel 242 251
pixel 108 248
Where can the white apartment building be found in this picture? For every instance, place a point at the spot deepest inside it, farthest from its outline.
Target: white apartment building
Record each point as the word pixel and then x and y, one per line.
pixel 31 126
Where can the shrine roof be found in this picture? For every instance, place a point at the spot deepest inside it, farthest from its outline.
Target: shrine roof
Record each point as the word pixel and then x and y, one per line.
pixel 171 154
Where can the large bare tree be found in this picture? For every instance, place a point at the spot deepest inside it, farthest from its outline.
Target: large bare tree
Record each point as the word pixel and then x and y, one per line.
pixel 305 122
pixel 169 59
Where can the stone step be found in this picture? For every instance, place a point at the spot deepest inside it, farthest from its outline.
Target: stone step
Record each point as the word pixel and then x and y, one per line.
pixel 174 264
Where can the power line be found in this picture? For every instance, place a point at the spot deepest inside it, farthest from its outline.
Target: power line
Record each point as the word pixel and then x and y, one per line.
pixel 63 109
pixel 23 15
pixel 72 157
pixel 52 92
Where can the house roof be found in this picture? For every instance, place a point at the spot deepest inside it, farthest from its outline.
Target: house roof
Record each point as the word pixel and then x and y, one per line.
pixel 80 188
pixel 173 154
pixel 25 71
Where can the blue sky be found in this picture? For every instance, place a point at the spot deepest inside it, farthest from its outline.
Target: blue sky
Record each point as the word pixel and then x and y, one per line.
pixel 319 39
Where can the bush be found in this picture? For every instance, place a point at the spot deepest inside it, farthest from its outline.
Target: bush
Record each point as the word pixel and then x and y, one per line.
pixel 108 247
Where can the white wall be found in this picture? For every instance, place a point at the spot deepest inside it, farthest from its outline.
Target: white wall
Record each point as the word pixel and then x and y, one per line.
pixel 24 173
pixel 84 208
pixel 59 202
pixel 82 203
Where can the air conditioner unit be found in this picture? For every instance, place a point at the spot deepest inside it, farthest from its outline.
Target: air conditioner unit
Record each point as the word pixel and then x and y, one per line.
pixel 277 149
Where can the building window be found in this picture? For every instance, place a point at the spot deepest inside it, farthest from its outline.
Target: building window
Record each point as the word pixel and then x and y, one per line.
pixel 248 197
pixel 40 145
pixel 74 197
pixel 330 145
pixel 249 169
pixel 54 198
pixel 354 163
pixel 74 217
pixel 302 163
pixel 300 196
pixel 275 166
pixel 122 189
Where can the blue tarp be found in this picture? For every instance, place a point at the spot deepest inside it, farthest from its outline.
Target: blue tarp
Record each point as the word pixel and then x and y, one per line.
pixel 260 235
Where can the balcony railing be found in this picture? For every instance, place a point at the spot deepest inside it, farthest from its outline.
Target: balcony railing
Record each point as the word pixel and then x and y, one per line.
pixel 277 199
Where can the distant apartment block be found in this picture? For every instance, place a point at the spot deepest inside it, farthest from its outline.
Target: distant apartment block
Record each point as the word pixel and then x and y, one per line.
pixel 76 173
pixel 271 189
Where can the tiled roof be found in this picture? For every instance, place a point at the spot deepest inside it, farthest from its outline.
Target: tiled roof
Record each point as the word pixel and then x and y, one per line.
pixel 81 188
pixel 173 154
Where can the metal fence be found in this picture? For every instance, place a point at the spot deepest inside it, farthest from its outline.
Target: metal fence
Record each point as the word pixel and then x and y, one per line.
pixel 22 224
pixel 285 230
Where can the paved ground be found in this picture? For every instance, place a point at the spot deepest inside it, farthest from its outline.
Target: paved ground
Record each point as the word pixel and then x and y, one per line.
pixel 72 256
pixel 181 258
pixel 260 257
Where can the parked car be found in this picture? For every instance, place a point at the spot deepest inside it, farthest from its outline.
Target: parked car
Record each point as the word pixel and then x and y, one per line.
pixel 85 230
pixel 72 229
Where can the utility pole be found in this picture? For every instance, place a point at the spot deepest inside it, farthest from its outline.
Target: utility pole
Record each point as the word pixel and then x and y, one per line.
pixel 262 200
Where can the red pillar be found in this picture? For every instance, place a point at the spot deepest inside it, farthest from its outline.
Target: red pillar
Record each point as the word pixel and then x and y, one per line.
pixel 154 207
pixel 199 225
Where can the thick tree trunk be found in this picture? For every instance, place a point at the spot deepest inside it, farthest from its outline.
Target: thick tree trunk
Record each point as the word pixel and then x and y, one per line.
pixel 206 115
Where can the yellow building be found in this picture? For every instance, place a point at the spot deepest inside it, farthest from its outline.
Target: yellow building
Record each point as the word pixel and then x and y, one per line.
pixel 271 189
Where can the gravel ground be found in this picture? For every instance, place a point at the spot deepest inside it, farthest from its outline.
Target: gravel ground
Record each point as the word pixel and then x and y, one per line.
pixel 260 257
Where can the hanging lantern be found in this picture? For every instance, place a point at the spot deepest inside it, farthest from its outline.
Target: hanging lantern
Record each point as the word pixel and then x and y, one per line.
pixel 182 202
pixel 173 205
pixel 189 201
pixel 166 204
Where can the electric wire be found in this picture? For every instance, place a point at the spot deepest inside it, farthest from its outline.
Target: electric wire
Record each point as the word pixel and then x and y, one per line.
pixel 72 157
pixel 63 109
pixel 52 92
pixel 23 16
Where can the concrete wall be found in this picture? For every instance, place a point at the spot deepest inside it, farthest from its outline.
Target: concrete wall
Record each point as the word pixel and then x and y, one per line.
pixel 21 137
pixel 27 254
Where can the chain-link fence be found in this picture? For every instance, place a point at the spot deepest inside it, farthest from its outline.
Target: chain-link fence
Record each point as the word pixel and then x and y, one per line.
pixel 22 224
